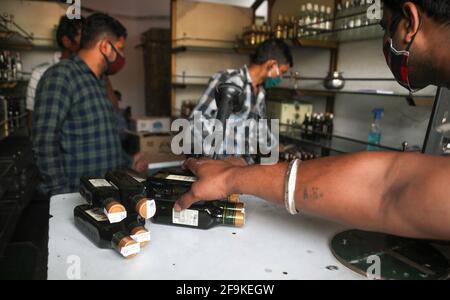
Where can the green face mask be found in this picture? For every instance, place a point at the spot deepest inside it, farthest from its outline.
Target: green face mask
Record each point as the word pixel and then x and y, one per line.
pixel 272 82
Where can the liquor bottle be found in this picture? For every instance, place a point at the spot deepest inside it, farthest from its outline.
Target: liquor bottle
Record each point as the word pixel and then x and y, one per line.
pixel 171 184
pixel 329 119
pixel 135 227
pixel 99 193
pixel 328 17
pixel 306 126
pixel 301 22
pixel 308 19
pixel 322 17
pixel 201 215
pixel 132 193
pixel 96 227
pixel 279 28
pixel 19 66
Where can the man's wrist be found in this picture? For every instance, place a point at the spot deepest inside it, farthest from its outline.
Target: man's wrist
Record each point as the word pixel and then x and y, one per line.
pixel 234 180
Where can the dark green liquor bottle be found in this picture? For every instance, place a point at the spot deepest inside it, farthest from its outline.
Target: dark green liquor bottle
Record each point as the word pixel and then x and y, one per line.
pixel 202 216
pixel 133 194
pixel 95 226
pixel 98 192
pixel 170 185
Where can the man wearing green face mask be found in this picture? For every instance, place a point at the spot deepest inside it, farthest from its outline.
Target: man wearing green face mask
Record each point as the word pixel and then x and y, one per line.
pixel 271 60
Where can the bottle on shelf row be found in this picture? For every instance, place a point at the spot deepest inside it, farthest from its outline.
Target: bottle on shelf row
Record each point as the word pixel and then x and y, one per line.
pixel 353 13
pixel 312 19
pixel 256 34
pixel 126 237
pixel 318 126
pixel 10 66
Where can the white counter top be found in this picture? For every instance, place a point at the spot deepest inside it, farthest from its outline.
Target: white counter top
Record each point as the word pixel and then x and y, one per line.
pixel 272 245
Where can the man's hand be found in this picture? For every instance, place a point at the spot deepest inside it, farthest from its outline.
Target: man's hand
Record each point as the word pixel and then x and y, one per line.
pixel 214 181
pixel 141 162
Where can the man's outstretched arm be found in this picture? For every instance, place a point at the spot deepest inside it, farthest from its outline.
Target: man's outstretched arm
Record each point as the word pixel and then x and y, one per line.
pixel 403 194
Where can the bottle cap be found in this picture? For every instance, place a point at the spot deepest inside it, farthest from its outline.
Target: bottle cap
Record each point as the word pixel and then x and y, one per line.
pixel 233 217
pixel 114 207
pixel 140 235
pixel 146 208
pixel 234 198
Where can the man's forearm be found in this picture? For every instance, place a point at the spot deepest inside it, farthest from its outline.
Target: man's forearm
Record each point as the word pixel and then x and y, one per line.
pixel 347 188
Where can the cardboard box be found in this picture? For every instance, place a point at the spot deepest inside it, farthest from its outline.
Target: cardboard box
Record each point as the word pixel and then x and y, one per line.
pixel 151 125
pixel 157 145
pixel 288 113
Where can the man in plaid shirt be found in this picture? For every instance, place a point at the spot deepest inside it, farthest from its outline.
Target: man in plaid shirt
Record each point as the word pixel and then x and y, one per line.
pixel 271 60
pixel 74 131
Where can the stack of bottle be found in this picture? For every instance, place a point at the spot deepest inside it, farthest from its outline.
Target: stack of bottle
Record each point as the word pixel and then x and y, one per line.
pixel 317 126
pixel 116 211
pixel 11 115
pixel 10 66
pixel 168 186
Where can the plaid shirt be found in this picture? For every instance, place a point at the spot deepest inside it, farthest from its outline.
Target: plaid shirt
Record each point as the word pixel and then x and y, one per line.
pixel 74 128
pixel 254 107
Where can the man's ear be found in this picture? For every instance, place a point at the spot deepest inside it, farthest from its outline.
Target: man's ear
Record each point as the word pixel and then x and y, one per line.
pixel 104 46
pixel 412 15
pixel 67 43
pixel 269 64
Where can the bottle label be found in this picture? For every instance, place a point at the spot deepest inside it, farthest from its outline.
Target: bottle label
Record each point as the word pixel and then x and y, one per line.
pixel 151 208
pixel 115 217
pixel 186 217
pixel 182 178
pixel 100 183
pixel 130 250
pixel 142 237
pixel 140 180
pixel 97 214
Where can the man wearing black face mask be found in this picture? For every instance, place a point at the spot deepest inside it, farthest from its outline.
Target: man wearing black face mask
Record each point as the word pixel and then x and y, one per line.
pixel 75 131
pixel 396 193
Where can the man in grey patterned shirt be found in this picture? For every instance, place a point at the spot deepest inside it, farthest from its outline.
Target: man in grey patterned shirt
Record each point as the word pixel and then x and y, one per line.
pixel 270 61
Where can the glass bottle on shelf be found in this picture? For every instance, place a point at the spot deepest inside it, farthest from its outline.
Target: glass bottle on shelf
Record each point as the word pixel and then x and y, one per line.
pixel 308 19
pixel 301 22
pixel 322 17
pixel 279 28
pixel 328 16
pixel 286 27
pixel 292 28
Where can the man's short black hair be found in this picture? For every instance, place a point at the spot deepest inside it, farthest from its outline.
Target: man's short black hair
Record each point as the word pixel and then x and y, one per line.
pixel 68 28
pixel 275 49
pixel 438 10
pixel 99 24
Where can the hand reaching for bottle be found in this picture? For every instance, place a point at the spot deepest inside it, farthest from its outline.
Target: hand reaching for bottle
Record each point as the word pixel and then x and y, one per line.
pixel 214 181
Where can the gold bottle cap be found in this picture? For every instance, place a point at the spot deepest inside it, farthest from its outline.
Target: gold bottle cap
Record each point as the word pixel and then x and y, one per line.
pixel 240 207
pixel 239 219
pixel 114 207
pixel 127 242
pixel 146 208
pixel 234 198
pixel 140 230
